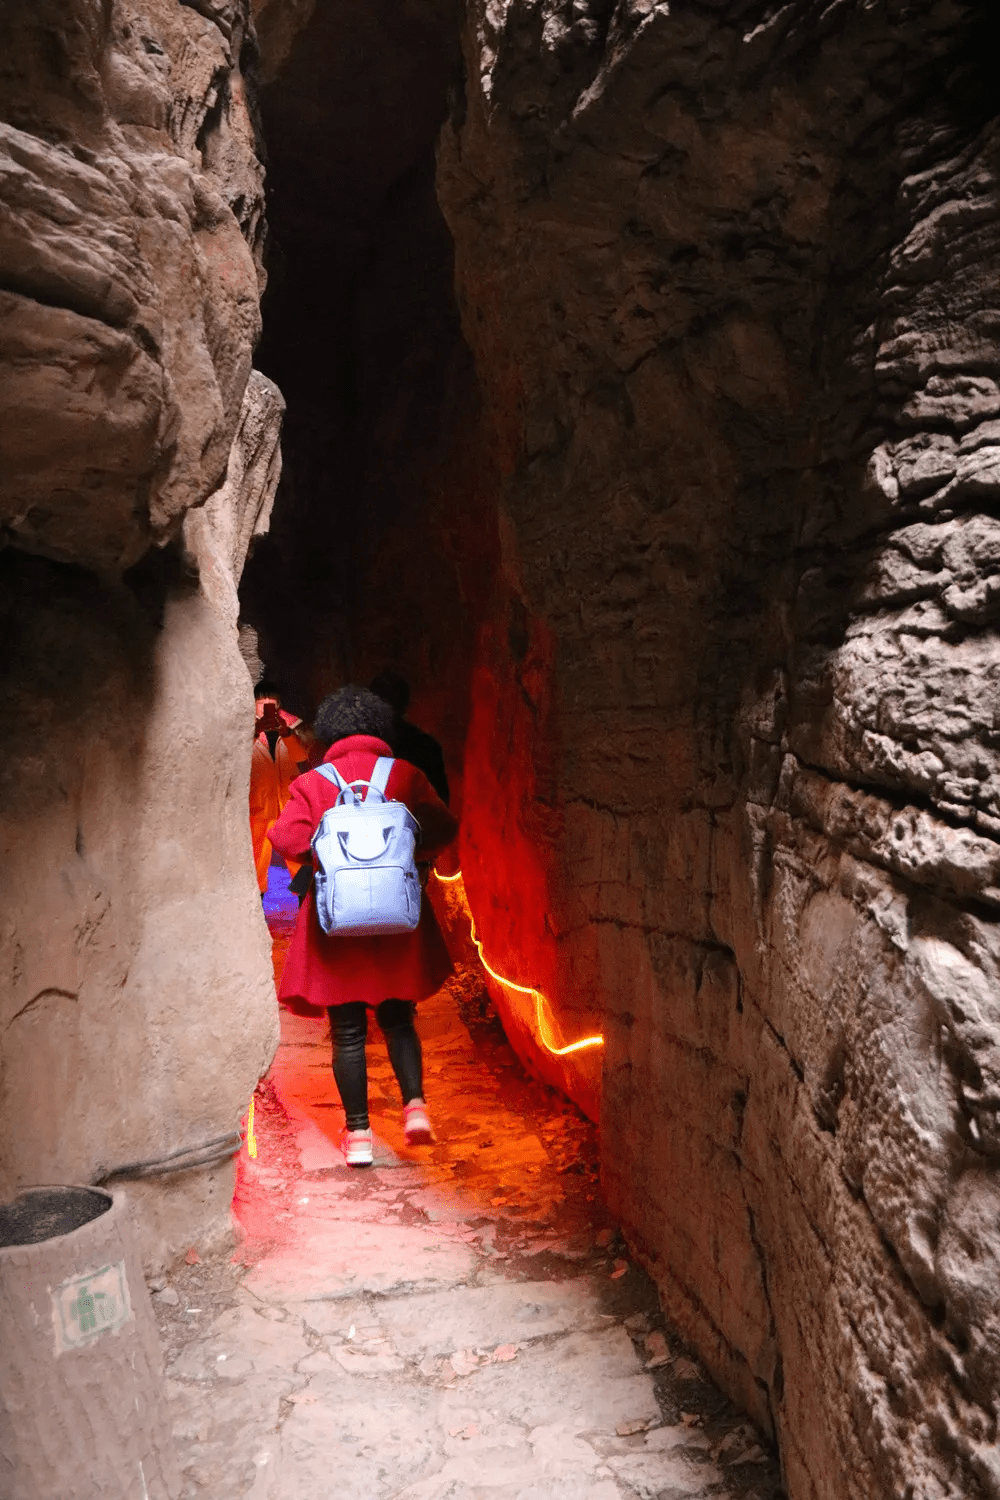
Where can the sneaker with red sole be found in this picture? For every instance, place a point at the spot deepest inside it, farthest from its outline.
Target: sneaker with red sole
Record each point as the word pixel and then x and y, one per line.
pixel 416 1125
pixel 357 1147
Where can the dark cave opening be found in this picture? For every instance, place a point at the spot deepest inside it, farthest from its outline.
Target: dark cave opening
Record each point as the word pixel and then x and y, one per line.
pixel 379 550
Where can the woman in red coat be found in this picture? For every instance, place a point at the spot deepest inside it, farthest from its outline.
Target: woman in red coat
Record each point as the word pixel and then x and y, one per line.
pixel 347 975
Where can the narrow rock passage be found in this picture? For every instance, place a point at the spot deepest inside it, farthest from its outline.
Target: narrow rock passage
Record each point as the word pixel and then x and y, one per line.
pixel 459 1322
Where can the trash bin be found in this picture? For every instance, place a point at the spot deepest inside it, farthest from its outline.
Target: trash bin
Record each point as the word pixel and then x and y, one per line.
pixel 83 1410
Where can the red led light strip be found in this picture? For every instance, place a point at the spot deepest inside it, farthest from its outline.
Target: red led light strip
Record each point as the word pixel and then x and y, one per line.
pixel 524 989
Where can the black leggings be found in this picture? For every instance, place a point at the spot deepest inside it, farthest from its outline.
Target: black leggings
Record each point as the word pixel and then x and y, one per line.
pixel 349 1029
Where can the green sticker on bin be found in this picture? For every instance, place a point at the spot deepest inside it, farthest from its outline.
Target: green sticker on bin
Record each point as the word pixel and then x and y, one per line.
pixel 85 1307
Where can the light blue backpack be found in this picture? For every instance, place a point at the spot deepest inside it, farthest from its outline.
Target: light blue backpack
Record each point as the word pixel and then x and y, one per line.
pixel 363 851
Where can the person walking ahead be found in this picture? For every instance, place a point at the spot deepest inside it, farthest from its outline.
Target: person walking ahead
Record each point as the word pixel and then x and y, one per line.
pixel 347 976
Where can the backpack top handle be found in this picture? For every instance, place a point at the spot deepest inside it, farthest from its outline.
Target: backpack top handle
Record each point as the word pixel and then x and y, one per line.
pixel 378 783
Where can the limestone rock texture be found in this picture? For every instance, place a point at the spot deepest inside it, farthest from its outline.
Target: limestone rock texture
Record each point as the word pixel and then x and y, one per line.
pixel 729 275
pixel 138 456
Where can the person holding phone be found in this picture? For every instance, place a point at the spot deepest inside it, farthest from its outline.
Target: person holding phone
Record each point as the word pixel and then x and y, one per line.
pixel 280 753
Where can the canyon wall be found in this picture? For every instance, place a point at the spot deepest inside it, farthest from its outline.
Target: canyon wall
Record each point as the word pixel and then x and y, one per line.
pixel 728 273
pixel 685 520
pixel 138 455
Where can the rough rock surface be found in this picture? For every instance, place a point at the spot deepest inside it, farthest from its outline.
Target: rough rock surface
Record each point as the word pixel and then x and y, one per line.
pixel 728 273
pixel 131 218
pixel 136 1005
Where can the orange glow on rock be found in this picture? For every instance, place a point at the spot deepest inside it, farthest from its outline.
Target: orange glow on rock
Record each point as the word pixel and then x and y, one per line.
pixel 524 989
pixel 251 1138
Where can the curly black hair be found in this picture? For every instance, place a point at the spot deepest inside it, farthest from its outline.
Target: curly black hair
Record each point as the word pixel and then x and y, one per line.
pixel 354 710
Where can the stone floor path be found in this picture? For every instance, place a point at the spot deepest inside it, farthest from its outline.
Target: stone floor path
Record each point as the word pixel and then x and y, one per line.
pixel 458 1322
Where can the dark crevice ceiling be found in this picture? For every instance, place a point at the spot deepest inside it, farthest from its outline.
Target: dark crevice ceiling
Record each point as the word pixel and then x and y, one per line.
pixel 364 564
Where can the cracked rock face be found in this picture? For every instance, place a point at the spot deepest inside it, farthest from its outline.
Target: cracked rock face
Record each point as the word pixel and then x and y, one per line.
pixel 138 456
pixel 728 274
pixel 130 232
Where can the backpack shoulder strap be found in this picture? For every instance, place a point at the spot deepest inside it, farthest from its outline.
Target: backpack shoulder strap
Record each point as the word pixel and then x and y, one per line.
pixel 383 770
pixel 330 773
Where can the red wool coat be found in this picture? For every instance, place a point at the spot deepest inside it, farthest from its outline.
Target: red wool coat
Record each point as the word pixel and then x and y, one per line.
pixel 321 970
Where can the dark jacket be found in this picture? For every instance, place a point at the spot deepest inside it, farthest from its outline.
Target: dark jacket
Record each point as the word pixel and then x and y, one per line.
pixel 422 750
